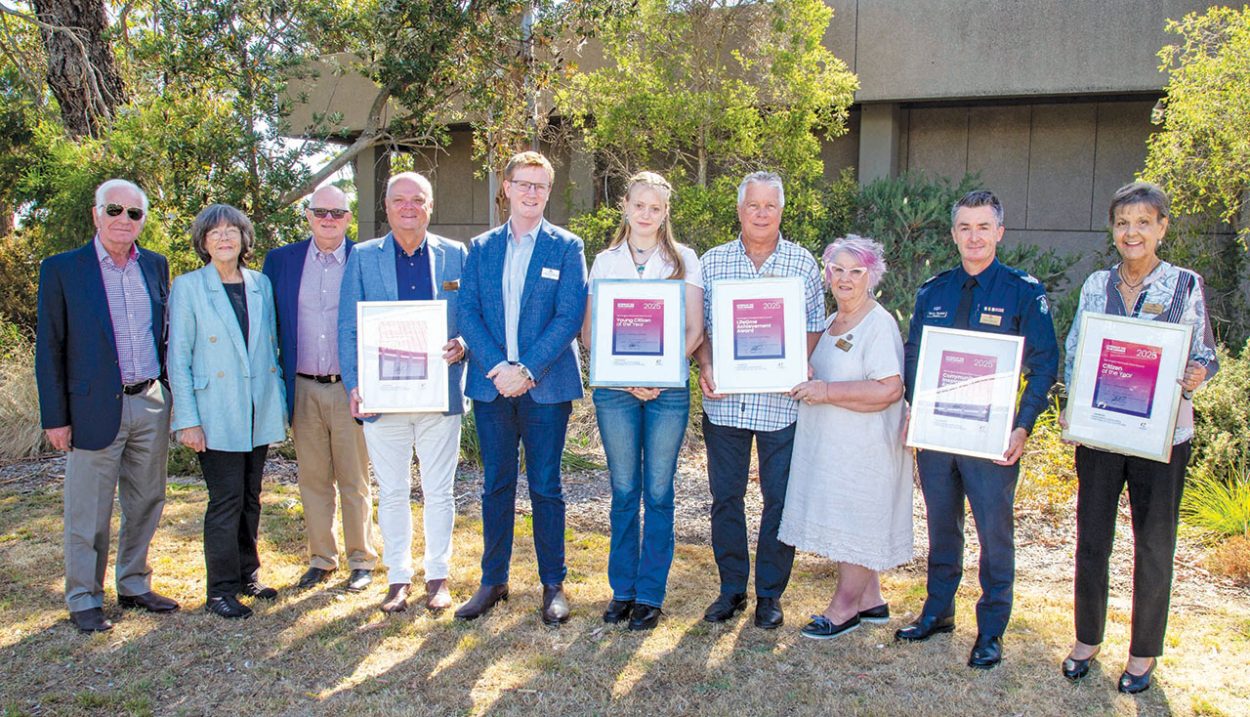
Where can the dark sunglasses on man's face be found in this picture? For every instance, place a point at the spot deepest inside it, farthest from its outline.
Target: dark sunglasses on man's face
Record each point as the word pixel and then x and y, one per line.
pixel 323 213
pixel 115 210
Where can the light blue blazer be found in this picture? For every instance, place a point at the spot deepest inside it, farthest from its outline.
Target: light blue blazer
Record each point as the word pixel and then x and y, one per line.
pixel 219 382
pixel 370 276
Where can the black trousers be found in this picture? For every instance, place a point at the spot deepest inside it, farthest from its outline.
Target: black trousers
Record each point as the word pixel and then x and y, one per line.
pixel 728 463
pixel 232 519
pixel 1154 497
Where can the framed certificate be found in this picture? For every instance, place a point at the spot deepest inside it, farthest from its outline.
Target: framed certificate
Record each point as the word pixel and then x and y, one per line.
pixel 638 333
pixel 759 335
pixel 399 356
pixel 1124 394
pixel 964 400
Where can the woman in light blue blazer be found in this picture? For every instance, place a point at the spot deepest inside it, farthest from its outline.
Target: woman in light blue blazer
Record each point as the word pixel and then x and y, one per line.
pixel 229 401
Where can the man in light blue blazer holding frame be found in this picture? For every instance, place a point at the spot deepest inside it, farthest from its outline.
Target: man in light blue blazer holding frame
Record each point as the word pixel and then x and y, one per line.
pixel 521 308
pixel 409 264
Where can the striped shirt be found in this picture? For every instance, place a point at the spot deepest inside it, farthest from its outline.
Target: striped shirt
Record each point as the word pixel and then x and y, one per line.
pixel 317 312
pixel 130 308
pixel 1174 295
pixel 760 411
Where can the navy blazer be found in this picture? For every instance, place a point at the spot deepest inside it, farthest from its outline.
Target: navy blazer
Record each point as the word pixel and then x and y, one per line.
pixel 285 268
pixel 76 365
pixel 370 276
pixel 552 305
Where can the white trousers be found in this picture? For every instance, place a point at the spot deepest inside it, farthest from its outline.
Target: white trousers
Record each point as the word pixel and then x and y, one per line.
pixel 390 441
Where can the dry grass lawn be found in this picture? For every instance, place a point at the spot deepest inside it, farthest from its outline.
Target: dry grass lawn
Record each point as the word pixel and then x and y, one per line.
pixel 326 652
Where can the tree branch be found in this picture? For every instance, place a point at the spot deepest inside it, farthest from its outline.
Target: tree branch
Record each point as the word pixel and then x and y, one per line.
pixel 370 135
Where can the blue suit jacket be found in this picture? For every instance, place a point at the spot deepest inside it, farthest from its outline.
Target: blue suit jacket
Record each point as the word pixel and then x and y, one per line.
pixel 220 383
pixel 552 304
pixel 370 276
pixel 284 267
pixel 80 383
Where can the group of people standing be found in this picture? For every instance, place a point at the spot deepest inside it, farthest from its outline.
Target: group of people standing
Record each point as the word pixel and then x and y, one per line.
pixel 246 353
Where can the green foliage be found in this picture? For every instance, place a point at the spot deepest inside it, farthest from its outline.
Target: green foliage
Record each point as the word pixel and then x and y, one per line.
pixel 1047 469
pixel 182 461
pixel 1218 505
pixel 1222 414
pixel 1201 156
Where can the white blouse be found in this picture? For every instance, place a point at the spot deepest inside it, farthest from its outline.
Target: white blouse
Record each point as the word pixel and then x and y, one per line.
pixel 618 264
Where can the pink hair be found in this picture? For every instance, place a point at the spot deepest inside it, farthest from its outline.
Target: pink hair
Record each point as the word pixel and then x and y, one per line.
pixel 866 251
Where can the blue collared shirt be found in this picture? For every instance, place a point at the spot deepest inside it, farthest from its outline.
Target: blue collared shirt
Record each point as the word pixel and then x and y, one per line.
pixel 317 311
pixel 516 264
pixel 413 279
pixel 1004 301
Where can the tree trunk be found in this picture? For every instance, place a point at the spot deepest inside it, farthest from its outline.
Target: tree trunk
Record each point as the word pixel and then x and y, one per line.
pixel 81 71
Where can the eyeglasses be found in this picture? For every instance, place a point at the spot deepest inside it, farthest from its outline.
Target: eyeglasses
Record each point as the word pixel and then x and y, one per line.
pixel 836 272
pixel 115 210
pixel 230 233
pixel 320 213
pixel 527 187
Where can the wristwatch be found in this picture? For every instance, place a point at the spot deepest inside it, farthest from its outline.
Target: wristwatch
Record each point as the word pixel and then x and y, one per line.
pixel 525 372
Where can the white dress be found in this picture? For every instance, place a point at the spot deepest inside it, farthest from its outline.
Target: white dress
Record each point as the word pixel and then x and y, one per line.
pixel 850 492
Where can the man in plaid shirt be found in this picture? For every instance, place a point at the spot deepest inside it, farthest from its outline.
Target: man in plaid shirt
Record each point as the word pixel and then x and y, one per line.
pixel 730 423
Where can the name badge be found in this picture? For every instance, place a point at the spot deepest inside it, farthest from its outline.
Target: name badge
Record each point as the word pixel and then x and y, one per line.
pixel 453 285
pixel 843 344
pixel 992 319
pixel 1151 308
pixel 550 273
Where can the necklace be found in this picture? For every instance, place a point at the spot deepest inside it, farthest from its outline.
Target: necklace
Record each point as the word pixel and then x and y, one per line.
pixel 1129 285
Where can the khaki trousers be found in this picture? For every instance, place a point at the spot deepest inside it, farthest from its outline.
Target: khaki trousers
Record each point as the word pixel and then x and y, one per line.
pixel 133 467
pixel 330 448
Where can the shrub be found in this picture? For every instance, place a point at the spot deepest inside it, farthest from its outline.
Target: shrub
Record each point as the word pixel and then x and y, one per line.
pixel 1218 504
pixel 21 434
pixel 1231 559
pixel 1222 414
pixel 1047 471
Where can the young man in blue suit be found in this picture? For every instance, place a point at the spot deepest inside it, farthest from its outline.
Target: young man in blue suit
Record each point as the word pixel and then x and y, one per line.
pixel 329 443
pixel 409 264
pixel 99 353
pixel 521 306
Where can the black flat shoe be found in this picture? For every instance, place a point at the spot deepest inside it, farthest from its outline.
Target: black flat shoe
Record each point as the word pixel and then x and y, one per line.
pixel 987 652
pixel 358 580
pixel 879 614
pixel 924 627
pixel 311 577
pixel 228 607
pixel 1076 670
pixel 259 591
pixel 644 617
pixel 1131 684
pixel 822 628
pixel 768 614
pixel 725 606
pixel 618 611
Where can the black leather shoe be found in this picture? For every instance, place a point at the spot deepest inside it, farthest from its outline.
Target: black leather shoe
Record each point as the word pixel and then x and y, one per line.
pixel 987 652
pixel 645 617
pixel 879 614
pixel 822 628
pixel 150 601
pixel 259 591
pixel 313 576
pixel 618 611
pixel 555 606
pixel 725 607
pixel 768 615
pixel 924 627
pixel 90 620
pixel 229 607
pixel 1131 684
pixel 486 597
pixel 359 580
pixel 1076 670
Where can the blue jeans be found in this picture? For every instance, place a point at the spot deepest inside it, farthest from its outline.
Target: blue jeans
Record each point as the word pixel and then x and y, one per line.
pixel 641 440
pixel 502 425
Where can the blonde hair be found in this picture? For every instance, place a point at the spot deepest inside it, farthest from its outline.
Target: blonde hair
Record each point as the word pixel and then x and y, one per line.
pixel 529 159
pixel 668 243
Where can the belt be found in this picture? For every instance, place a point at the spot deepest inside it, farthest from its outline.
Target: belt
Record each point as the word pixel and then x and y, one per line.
pixel 140 387
pixel 328 378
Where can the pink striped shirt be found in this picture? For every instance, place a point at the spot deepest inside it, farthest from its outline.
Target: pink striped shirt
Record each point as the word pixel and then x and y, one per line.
pixel 130 307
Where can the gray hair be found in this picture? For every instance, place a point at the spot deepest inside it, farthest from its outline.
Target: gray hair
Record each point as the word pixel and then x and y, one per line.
pixel 866 251
pixel 413 177
pixel 772 179
pixel 101 192
pixel 978 198
pixel 213 216
pixel 326 188
pixel 1140 193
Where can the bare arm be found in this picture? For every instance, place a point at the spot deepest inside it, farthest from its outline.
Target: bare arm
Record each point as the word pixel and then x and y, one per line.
pixel 863 396
pixel 694 318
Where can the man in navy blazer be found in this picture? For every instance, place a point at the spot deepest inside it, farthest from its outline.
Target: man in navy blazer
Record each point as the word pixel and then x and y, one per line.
pixel 521 306
pixel 409 264
pixel 99 357
pixel 329 445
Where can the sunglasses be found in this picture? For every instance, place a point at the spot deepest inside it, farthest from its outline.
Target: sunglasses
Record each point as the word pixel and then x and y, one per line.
pixel 323 213
pixel 115 210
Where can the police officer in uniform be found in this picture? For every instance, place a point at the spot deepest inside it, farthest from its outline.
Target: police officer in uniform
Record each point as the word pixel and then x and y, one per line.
pixel 981 294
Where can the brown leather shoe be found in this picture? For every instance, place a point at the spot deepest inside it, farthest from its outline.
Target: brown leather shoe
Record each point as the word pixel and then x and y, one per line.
pixel 437 596
pixel 396 598
pixel 150 601
pixel 486 597
pixel 90 620
pixel 555 606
